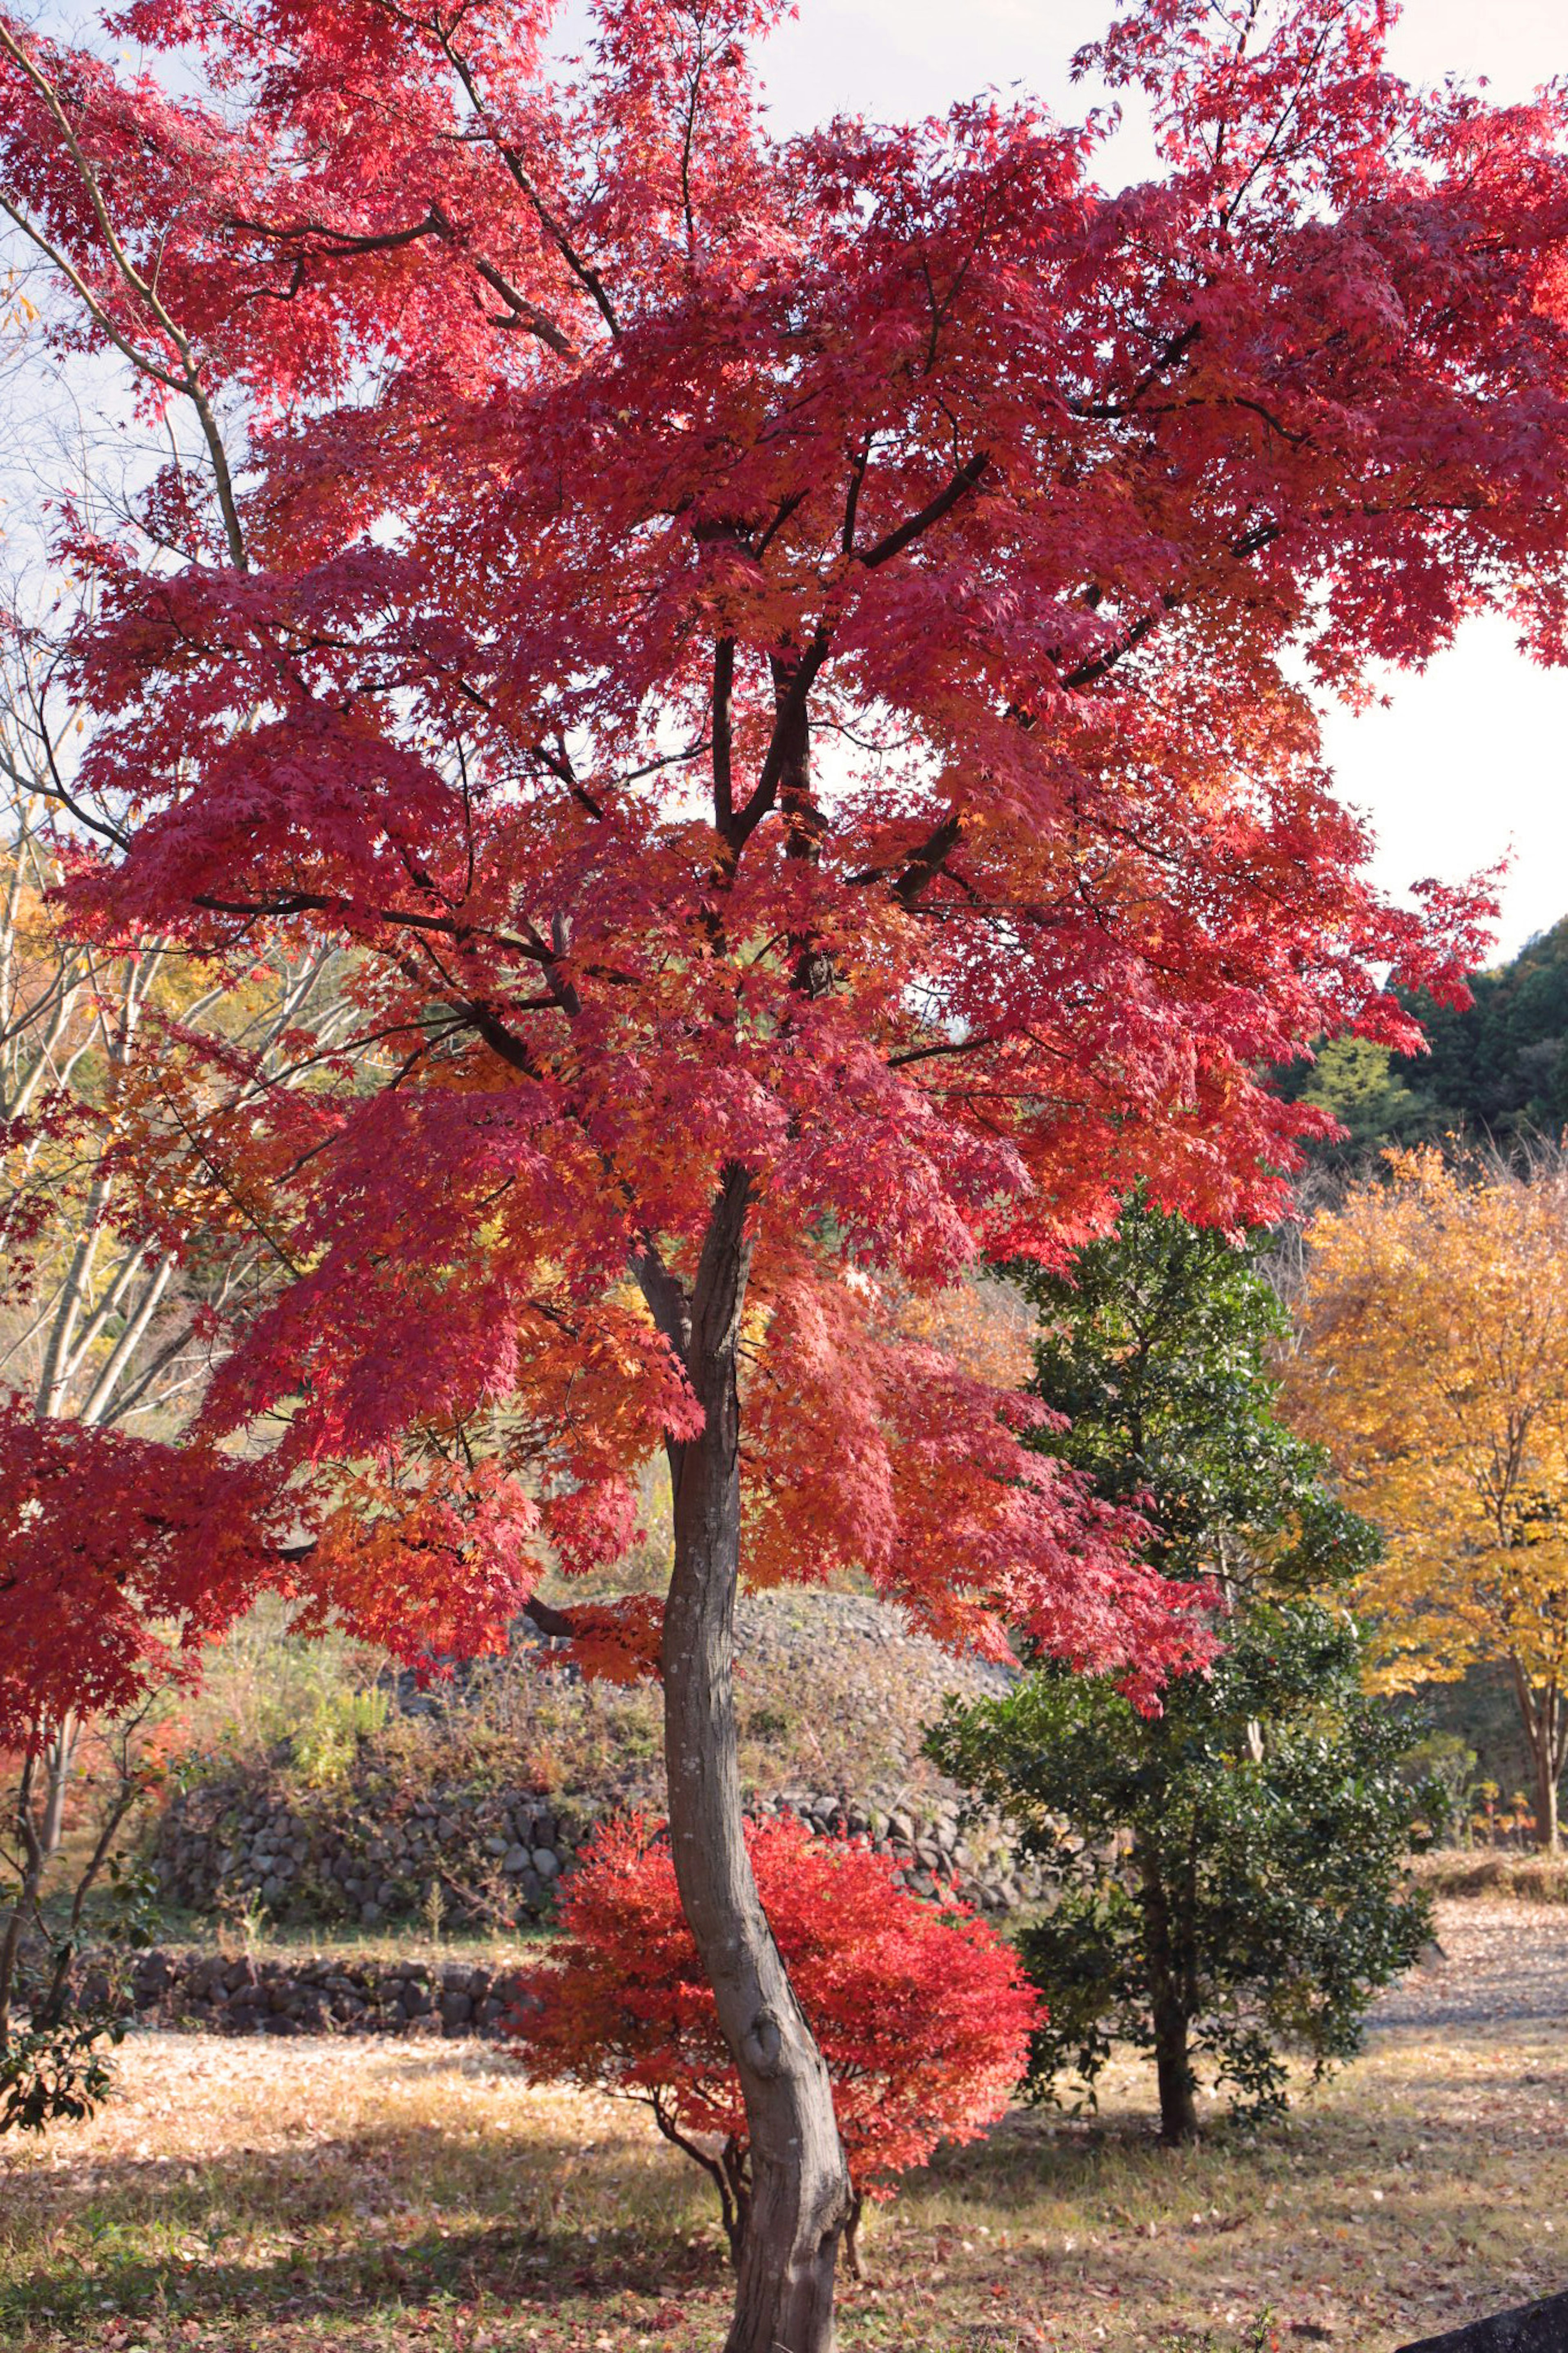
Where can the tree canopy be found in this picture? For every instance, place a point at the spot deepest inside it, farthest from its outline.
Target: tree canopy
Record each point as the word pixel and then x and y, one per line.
pixel 1435 1364
pixel 1156 1352
pixel 1230 1867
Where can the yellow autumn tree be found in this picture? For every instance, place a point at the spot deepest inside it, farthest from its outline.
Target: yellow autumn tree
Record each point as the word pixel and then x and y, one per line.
pixel 1434 1365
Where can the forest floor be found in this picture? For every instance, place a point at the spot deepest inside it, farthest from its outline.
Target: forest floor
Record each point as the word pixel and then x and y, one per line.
pixel 354 2197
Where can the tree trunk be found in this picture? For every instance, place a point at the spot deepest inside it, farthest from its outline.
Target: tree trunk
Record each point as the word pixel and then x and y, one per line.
pixel 1174 2071
pixel 1546 1771
pixel 28 1882
pixel 58 1756
pixel 1173 2059
pixel 1542 1714
pixel 852 2237
pixel 800 2198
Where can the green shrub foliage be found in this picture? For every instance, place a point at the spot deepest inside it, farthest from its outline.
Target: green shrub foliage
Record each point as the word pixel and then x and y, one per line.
pixel 1231 1871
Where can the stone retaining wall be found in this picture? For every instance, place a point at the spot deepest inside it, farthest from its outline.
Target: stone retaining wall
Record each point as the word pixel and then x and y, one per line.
pixel 494 1857
pixel 320 1994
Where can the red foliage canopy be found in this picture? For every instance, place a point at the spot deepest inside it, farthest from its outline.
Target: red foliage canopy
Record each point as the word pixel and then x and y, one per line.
pixel 920 2011
pixel 98 1532
pixel 774 656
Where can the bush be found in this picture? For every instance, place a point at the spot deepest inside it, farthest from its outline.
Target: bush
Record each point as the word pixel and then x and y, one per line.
pixel 922 2012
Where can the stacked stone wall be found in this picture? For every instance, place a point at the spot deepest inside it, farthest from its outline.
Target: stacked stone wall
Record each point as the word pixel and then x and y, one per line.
pixel 491 1859
pixel 316 1993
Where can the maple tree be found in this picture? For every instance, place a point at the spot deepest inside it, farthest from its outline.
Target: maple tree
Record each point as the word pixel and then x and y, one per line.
pixel 1434 1361
pixel 132 1216
pixel 922 2012
pixel 781 660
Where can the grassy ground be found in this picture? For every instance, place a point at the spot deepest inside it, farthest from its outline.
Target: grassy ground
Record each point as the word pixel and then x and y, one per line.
pixel 256 2197
pixel 274 1941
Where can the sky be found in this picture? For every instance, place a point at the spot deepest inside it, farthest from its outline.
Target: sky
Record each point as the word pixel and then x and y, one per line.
pixel 1466 763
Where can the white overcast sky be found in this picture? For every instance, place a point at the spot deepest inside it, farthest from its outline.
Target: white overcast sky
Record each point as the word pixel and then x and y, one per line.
pixel 1468 761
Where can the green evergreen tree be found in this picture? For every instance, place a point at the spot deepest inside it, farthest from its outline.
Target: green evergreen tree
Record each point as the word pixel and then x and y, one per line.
pixel 1357 1082
pixel 1231 1871
pixel 1497 1068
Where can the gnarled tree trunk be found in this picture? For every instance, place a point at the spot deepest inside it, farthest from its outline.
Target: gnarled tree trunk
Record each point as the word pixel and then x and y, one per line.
pixel 800 2199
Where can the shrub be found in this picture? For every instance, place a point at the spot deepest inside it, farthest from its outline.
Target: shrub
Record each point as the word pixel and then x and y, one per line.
pixel 920 2011
pixel 1231 1870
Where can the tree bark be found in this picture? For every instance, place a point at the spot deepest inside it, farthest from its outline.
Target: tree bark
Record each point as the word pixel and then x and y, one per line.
pixel 58 1756
pixel 1173 2072
pixel 1543 1715
pixel 1172 2058
pixel 800 2196
pixel 29 1881
pixel 1547 1767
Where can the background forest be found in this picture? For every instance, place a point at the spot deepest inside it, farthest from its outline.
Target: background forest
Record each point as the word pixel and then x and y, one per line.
pixel 1497 1072
pixel 1497 1068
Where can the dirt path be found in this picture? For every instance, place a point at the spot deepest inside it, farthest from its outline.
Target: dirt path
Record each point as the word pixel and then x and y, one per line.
pixel 1501 1963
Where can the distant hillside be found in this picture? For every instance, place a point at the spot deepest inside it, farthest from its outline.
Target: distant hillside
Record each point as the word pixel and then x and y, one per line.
pixel 1499 1069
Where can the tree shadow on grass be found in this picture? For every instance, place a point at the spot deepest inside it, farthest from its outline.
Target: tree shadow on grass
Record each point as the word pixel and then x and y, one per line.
pixel 1041 2154
pixel 150 2234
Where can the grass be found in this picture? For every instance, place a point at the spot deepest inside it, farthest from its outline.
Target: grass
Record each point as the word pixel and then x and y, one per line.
pixel 346 1940
pixel 251 2197
pixel 1470 1872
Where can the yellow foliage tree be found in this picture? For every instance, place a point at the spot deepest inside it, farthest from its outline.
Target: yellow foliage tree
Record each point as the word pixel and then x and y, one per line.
pixel 1435 1366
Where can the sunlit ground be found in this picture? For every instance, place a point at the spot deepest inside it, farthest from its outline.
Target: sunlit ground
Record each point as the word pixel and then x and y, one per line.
pixel 271 2196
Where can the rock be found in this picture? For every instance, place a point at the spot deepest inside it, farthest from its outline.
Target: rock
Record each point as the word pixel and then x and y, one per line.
pixel 153 1976
pixel 1528 2328
pixel 544 1862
